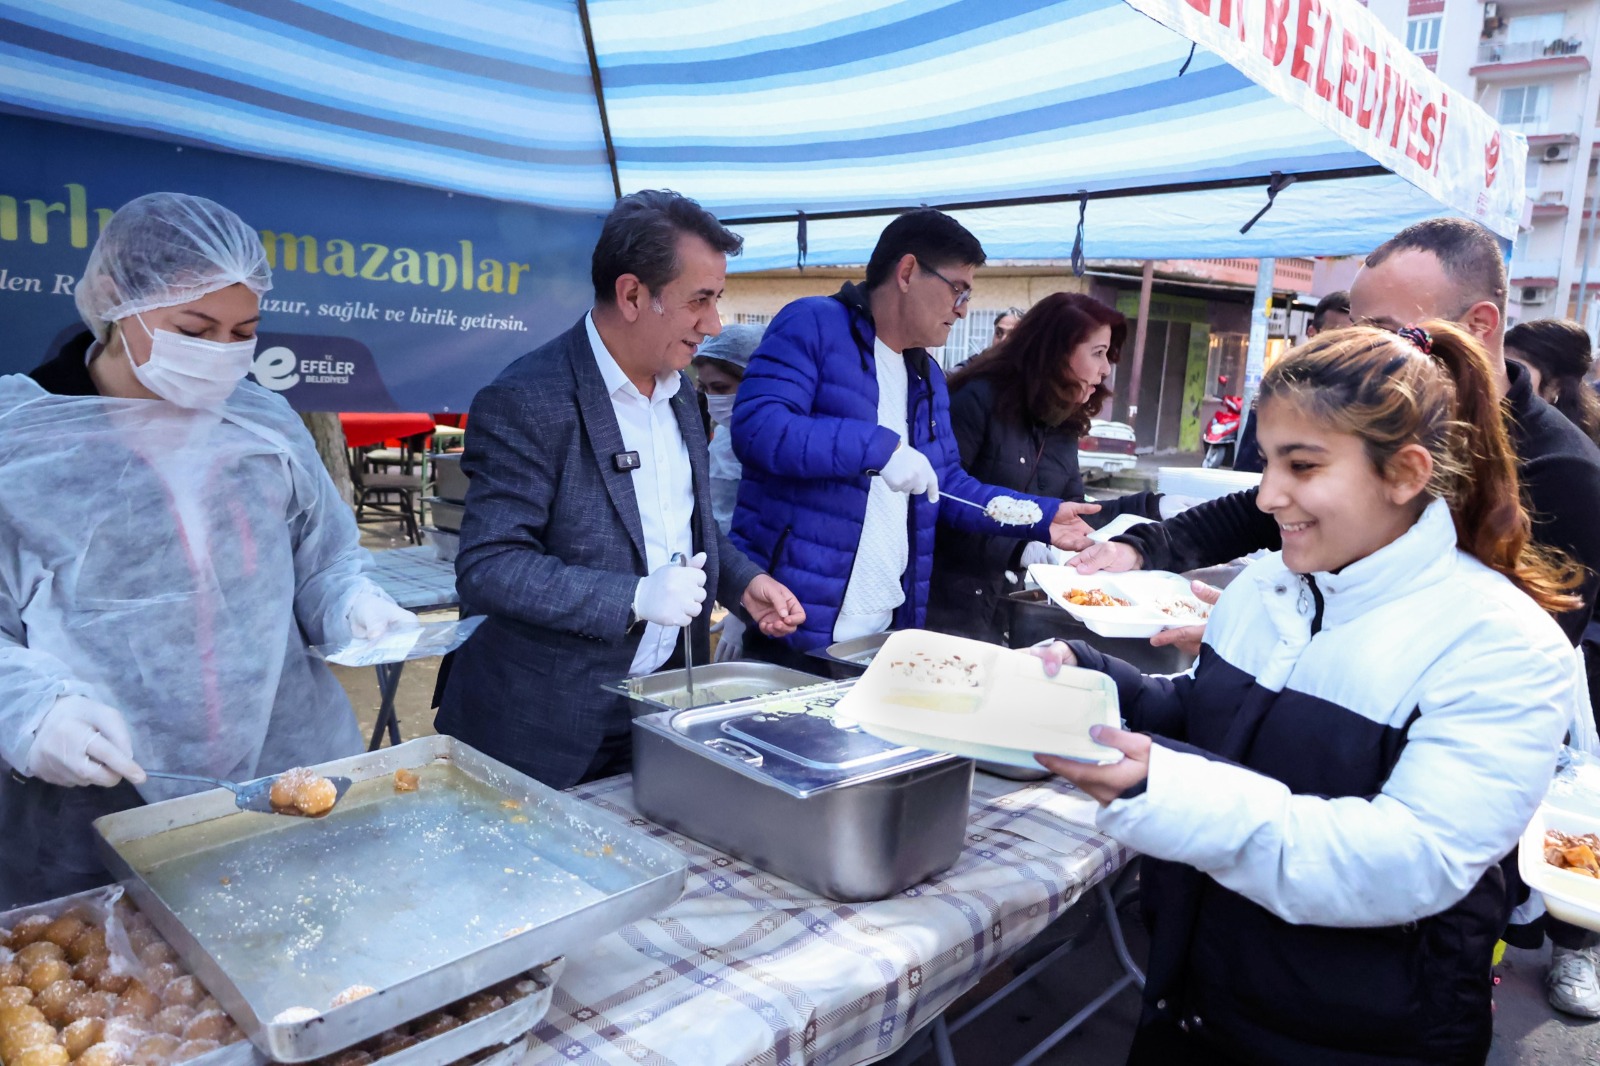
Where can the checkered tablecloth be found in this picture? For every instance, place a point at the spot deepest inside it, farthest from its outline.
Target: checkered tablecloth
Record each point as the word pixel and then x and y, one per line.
pixel 415 577
pixel 749 968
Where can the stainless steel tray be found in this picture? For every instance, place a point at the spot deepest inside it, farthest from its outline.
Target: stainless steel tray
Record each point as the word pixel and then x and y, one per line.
pixel 478 876
pixel 859 819
pixel 714 683
pixel 855 655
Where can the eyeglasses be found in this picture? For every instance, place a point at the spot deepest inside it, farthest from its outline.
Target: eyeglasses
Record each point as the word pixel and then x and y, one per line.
pixel 963 292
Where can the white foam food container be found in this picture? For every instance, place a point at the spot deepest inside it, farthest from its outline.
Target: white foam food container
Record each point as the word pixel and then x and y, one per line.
pixel 1157 600
pixel 1572 897
pixel 971 698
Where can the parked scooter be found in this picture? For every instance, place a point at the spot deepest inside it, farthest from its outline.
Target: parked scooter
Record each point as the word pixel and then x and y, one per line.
pixel 1221 436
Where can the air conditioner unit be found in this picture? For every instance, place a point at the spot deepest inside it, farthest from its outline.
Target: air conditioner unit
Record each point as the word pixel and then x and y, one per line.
pixel 1557 153
pixel 1532 296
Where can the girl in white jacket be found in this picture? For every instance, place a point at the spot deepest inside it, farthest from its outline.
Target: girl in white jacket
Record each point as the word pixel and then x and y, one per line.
pixel 1325 803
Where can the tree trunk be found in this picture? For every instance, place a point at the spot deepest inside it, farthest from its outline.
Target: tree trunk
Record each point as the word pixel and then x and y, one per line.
pixel 329 435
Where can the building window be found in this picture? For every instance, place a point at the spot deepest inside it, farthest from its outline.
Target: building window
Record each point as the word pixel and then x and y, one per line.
pixel 1523 107
pixel 1422 35
pixel 1536 29
pixel 744 319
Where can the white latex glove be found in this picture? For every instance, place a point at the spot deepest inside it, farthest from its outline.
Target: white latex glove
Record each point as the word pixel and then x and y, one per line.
pixel 372 615
pixel 82 742
pixel 731 644
pixel 673 594
pixel 1037 551
pixel 1170 505
pixel 909 471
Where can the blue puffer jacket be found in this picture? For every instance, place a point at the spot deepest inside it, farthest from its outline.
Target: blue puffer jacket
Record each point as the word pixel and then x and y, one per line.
pixel 806 429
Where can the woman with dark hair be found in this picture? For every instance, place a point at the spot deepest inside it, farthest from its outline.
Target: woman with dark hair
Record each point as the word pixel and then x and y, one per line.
pixel 1558 355
pixel 1017 411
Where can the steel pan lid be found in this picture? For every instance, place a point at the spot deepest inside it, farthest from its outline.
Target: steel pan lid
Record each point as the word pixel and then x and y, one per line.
pixel 792 741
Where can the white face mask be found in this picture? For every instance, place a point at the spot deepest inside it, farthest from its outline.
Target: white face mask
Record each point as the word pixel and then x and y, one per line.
pixel 720 408
pixel 192 372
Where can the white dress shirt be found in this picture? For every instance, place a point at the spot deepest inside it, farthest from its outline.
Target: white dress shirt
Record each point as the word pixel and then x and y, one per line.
pixel 663 482
pixel 875 588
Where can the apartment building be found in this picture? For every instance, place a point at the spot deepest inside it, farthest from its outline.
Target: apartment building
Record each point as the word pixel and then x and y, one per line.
pixel 1530 64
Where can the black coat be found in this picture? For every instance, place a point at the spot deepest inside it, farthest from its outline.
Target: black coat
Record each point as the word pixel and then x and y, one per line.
pixel 1015 452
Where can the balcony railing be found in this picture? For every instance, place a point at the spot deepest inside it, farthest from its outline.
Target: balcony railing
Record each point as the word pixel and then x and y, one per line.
pixel 1527 51
pixel 1534 268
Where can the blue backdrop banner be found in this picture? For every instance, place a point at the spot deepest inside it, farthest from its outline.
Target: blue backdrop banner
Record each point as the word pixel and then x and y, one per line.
pixel 385 296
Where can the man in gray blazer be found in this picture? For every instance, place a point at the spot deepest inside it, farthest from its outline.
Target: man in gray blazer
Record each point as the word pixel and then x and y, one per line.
pixel 589 476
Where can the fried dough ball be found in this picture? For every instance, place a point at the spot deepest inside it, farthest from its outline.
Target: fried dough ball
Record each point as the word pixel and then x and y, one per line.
pixel 19 1038
pixel 125 1031
pixel 207 1025
pixel 396 1046
pixel 29 930
pixel 42 1055
pixel 89 968
pixel 353 993
pixel 235 1034
pixel 141 934
pixel 15 996
pixel 44 974
pixel 436 1025
pixel 193 1049
pixel 82 1035
pixel 10 974
pixel 57 997
pixel 304 792
pixel 183 991
pixel 479 1006
pixel 104 1054
pixel 37 952
pixel 208 1003
pixel 136 1001
pixel 11 1017
pixel 91 1005
pixel 92 941
pixel 318 797
pixel 157 952
pixel 115 983
pixel 64 930
pixel 405 781
pixel 155 1049
pixel 172 1020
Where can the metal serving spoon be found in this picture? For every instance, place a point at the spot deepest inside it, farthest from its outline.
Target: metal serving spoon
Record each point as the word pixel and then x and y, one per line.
pixel 688 650
pixel 255 795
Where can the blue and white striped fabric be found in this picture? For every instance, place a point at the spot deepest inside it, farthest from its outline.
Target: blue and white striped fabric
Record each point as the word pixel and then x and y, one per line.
pixel 755 109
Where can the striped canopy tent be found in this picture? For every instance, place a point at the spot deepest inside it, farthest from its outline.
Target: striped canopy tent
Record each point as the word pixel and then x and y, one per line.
pixel 1153 127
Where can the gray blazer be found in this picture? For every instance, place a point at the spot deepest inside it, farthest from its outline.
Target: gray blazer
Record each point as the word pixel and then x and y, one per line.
pixel 552 548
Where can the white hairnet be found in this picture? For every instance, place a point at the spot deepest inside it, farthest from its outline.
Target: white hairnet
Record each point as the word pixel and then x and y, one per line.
pixel 167 248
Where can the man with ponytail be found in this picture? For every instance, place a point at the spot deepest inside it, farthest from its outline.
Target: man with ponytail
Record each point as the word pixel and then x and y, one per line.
pixel 1323 804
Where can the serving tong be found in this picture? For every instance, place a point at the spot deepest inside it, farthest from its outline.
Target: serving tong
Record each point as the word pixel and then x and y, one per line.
pixel 255 795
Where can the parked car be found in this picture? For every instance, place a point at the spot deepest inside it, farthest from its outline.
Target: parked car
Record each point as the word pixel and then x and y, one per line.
pixel 1107 449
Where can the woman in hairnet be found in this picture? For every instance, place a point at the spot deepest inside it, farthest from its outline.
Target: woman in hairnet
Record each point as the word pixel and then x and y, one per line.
pixel 173 545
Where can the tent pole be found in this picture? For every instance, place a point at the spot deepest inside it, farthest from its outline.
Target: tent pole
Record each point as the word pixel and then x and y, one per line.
pixel 1255 363
pixel 1141 330
pixel 600 97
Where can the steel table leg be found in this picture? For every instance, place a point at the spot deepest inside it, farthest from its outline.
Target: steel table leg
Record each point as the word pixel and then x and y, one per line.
pixel 388 718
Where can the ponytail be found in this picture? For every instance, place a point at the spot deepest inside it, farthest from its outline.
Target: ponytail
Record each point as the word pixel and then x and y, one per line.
pixel 1485 495
pixel 1433 386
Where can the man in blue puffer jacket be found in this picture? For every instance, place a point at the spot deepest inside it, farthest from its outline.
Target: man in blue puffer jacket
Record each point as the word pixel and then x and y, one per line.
pixel 843 427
